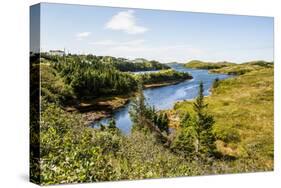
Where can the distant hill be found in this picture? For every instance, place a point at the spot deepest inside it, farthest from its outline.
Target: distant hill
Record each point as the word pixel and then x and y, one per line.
pixel 197 64
pixel 239 69
pixel 260 63
pixel 174 64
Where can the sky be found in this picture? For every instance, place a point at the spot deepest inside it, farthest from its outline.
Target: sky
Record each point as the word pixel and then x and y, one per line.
pixel 165 36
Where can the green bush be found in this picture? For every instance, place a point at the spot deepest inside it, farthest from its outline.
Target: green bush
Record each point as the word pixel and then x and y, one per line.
pixel 53 86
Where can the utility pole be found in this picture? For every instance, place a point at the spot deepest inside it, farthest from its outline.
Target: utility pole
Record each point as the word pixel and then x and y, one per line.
pixel 64 55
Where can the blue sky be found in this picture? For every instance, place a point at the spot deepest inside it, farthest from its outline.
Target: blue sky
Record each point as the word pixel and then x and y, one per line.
pixel 152 34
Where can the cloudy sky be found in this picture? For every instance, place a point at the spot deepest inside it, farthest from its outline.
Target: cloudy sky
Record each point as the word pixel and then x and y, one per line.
pixel 161 35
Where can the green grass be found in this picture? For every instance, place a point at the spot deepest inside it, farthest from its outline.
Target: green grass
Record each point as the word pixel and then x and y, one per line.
pixel 243 110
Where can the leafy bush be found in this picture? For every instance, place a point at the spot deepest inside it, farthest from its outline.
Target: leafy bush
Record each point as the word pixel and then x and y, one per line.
pixel 70 152
pixel 53 87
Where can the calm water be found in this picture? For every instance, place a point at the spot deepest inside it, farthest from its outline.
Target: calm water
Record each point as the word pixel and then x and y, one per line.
pixel 165 97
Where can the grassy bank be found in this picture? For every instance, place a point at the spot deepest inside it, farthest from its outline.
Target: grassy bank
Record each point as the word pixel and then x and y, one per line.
pixel 243 112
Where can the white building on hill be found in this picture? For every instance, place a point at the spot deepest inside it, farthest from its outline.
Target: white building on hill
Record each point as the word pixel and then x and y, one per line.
pixel 57 52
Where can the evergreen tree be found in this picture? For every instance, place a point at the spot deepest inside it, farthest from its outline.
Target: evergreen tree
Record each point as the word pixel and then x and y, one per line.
pixel 112 124
pixel 196 137
pixel 163 122
pixel 112 127
pixel 138 108
pixel 216 83
pixel 204 142
pixel 166 123
pixel 102 127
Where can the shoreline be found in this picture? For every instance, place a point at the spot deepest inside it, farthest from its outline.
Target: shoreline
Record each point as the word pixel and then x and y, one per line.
pixel 96 109
pixel 163 84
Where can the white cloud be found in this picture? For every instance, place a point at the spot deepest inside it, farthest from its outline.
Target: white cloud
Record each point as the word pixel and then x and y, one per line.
pixel 82 35
pixel 125 21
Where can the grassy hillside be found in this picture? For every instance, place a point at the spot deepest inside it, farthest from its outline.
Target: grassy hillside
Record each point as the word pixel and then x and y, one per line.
pixel 239 69
pixel 196 64
pixel 229 68
pixel 243 112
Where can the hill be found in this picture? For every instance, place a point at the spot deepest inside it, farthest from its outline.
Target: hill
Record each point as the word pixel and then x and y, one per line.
pixel 197 64
pixel 239 69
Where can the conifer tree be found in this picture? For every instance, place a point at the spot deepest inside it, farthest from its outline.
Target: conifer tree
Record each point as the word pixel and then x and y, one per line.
pixel 138 107
pixel 204 142
pixel 112 124
pixel 216 83
pixel 196 137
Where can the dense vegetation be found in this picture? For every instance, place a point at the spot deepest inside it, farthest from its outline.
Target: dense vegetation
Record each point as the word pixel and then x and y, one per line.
pixel 139 64
pixel 72 152
pixel 226 132
pixel 92 79
pixel 89 77
pixel 121 64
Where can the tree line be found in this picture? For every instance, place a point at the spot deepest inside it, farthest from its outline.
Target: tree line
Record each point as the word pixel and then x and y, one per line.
pixel 121 64
pixel 163 76
pixel 89 77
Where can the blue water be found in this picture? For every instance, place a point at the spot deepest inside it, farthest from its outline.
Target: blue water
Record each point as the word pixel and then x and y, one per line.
pixel 165 97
